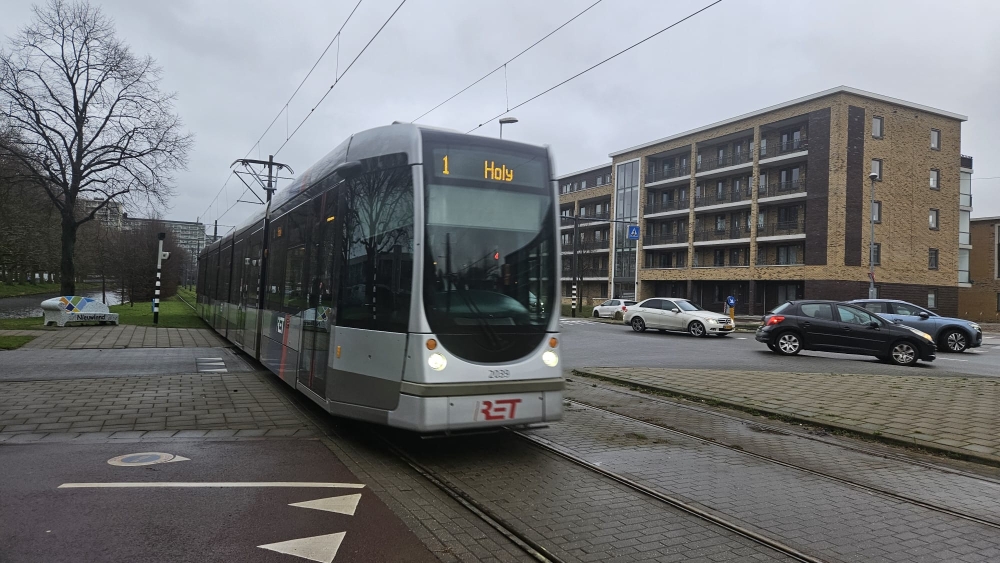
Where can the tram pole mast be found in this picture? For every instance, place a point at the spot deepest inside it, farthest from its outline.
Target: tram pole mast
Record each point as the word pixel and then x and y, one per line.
pixel 576 236
pixel 156 288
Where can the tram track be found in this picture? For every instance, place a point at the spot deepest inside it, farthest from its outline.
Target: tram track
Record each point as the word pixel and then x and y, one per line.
pixel 824 475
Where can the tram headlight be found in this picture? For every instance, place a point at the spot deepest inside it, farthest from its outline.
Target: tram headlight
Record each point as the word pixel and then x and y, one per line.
pixel 550 358
pixel 437 362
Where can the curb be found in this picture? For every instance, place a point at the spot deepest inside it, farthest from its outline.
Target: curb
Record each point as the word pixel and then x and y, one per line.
pixel 890 439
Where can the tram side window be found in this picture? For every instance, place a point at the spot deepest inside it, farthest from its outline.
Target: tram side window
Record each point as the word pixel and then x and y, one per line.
pixel 213 277
pixel 377 260
pixel 276 248
pixel 225 273
pixel 295 289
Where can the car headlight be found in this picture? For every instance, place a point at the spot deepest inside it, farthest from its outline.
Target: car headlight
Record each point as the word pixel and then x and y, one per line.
pixel 437 362
pixel 923 334
pixel 975 327
pixel 550 358
pixel 713 321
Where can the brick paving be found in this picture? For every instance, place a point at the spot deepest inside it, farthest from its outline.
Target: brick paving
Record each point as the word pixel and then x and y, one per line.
pixel 178 406
pixel 952 414
pixel 121 336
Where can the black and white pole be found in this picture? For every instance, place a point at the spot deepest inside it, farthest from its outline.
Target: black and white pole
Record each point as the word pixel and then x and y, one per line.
pixel 156 290
pixel 574 298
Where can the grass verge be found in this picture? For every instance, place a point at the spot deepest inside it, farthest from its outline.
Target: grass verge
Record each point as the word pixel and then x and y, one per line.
pixel 174 313
pixel 14 342
pixel 22 289
pixel 27 323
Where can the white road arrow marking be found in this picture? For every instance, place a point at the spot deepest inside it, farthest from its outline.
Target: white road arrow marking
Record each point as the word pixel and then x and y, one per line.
pixel 346 504
pixel 317 548
pixel 179 458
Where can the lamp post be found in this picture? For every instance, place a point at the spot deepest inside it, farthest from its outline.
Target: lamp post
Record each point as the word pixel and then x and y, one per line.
pixel 506 121
pixel 871 241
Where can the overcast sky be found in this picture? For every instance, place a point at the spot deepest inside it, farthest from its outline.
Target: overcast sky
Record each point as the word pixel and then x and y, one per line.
pixel 234 65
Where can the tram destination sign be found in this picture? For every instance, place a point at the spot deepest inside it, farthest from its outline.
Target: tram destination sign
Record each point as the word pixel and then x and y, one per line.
pixel 500 166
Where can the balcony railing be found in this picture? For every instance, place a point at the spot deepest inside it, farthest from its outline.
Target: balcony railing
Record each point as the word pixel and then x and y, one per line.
pixel 585 272
pixel 728 196
pixel 665 173
pixel 659 266
pixel 587 245
pixel 731 232
pixel 731 159
pixel 672 238
pixel 659 206
pixel 966 161
pixel 783 188
pixel 965 200
pixel 708 260
pixel 594 217
pixel 782 228
pixel 764 260
pixel 779 148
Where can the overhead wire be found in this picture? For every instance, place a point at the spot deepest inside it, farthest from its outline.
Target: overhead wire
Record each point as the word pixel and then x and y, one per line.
pixel 338 78
pixel 504 65
pixel 284 108
pixel 585 71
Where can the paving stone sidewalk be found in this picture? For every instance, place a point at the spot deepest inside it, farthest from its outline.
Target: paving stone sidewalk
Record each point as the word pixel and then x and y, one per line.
pixel 957 415
pixel 121 336
pixel 204 405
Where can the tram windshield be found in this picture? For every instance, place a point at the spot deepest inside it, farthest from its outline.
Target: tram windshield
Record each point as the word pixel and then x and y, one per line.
pixel 489 279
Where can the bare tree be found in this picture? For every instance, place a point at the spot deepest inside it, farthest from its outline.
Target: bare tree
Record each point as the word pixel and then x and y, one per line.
pixel 88 117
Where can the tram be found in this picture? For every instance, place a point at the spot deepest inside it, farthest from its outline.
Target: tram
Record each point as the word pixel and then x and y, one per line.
pixel 409 278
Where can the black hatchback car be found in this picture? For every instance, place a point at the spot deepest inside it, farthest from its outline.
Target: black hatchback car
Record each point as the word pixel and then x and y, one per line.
pixel 832 326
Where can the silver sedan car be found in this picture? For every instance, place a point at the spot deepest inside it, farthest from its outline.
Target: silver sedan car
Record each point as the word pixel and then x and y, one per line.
pixel 678 315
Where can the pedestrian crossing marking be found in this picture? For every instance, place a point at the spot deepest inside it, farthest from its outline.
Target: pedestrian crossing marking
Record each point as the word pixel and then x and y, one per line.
pixel 211 365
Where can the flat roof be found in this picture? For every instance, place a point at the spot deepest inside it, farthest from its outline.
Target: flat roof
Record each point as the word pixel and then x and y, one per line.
pixel 578 172
pixel 809 98
pixel 985 218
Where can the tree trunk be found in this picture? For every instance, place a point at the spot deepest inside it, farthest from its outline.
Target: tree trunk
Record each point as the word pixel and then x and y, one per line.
pixel 67 274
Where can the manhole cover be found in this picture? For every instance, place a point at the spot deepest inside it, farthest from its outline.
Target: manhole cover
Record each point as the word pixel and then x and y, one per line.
pixel 144 458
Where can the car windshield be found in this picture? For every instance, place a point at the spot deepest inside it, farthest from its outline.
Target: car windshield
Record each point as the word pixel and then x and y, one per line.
pixel 687 306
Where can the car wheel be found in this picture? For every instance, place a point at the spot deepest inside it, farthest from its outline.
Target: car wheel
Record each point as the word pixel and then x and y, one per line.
pixel 696 329
pixel 955 341
pixel 596 314
pixel 638 324
pixel 903 353
pixel 788 343
pixel 772 347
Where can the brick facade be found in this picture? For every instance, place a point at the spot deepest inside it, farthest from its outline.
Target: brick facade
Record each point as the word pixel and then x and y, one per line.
pixel 981 302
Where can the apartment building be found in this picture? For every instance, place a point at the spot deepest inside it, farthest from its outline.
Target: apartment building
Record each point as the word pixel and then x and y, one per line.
pixel 775 205
pixel 585 206
pixel 980 300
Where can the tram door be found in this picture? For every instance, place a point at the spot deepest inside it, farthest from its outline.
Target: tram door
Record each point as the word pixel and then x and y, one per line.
pixel 239 291
pixel 251 277
pixel 318 317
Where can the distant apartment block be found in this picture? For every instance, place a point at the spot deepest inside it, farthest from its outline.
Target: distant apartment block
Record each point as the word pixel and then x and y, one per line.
pixel 775 204
pixel 980 300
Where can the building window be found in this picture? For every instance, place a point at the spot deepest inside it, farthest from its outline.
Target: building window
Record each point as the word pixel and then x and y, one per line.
pixel 877 254
pixel 720 190
pixel 932 219
pixel 788 255
pixel 877 127
pixel 932 259
pixel 720 223
pixel 932 299
pixel 720 260
pixel 877 212
pixel 877 167
pixel 935 139
pixel 963 266
pixel 583 185
pixel 935 178
pixel 763 147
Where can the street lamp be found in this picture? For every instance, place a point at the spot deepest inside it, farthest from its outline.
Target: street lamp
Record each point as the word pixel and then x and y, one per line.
pixel 871 241
pixel 506 121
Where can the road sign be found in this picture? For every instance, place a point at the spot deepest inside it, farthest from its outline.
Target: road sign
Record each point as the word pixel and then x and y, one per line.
pixel 731 301
pixel 633 232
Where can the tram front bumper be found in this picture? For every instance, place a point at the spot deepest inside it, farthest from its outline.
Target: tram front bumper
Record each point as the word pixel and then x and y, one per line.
pixel 423 413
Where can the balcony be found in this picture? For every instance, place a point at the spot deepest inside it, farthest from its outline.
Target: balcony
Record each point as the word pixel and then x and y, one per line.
pixel 660 206
pixel 594 218
pixel 667 173
pixel 722 259
pixel 727 196
pixel 765 258
pixel 966 161
pixel 585 272
pixel 776 189
pixel 782 228
pixel 778 148
pixel 587 246
pixel 732 159
pixel 731 233
pixel 672 238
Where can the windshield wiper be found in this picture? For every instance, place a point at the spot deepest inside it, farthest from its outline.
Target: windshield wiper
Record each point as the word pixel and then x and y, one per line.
pixel 491 334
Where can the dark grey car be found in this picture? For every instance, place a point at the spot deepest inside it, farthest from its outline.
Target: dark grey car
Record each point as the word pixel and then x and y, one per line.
pixel 950 334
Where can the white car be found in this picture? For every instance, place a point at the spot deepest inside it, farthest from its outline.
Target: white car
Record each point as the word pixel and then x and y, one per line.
pixel 677 315
pixel 610 307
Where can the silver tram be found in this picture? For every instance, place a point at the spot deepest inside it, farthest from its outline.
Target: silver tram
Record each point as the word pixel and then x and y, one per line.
pixel 409 278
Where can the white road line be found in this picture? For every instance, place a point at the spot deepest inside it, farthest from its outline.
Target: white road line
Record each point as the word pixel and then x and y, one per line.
pixel 221 484
pixel 953 359
pixel 209 359
pixel 223 370
pixel 741 338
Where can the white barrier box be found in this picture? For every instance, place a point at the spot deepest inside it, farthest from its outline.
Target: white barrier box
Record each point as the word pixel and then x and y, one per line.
pixel 76 309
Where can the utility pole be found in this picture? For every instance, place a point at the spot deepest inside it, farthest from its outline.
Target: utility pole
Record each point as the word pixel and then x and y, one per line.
pixel 156 289
pixel 576 261
pixel 269 190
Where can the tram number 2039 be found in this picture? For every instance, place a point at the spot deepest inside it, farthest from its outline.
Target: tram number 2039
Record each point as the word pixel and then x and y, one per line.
pixel 499 374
